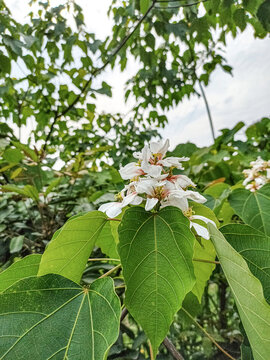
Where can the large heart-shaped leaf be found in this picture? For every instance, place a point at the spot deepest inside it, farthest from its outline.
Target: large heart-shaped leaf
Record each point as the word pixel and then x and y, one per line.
pixel 21 269
pixel 156 251
pixel 253 208
pixel 203 270
pixel 51 317
pixel 108 239
pixel 203 250
pixel 248 294
pixel 254 246
pixel 68 251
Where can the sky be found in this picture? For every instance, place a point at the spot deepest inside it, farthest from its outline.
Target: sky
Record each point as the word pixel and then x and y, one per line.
pixel 245 96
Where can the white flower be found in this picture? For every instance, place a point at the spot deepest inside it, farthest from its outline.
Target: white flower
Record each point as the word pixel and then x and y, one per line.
pixel 182 181
pixel 172 161
pixel 131 171
pixel 258 175
pixel 155 191
pixel 201 230
pixel 179 198
pixel 112 209
pixel 154 149
pixel 152 181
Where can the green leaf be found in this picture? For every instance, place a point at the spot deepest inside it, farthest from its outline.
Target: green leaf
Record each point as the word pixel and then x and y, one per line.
pixel 254 246
pixel 219 192
pixel 106 89
pixel 16 244
pixel 203 270
pixel 144 5
pixel 156 251
pixel 264 14
pixel 248 293
pixel 13 188
pixel 150 40
pixel 26 267
pixel 16 173
pixel 239 17
pixel 54 183
pixel 253 208
pixel 68 251
pixel 28 191
pixel 51 317
pixel 31 192
pixel 108 239
pixel 203 250
pixel 186 149
pixel 5 65
pixel 190 305
pixel 29 152
pixel 13 155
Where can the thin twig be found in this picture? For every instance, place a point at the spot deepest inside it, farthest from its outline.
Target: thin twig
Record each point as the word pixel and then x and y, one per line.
pixel 151 351
pixel 124 314
pixel 208 335
pixel 113 219
pixel 120 287
pixel 96 72
pixel 172 349
pixel 207 109
pixel 168 1
pixel 102 259
pixel 202 91
pixel 110 271
pixel 178 6
pixel 206 261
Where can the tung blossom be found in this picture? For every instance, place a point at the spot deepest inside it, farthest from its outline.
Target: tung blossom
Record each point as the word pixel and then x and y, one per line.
pixel 152 180
pixel 258 175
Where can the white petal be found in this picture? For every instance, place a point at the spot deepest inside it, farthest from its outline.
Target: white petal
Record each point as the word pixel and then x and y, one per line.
pixel 177 201
pixel 203 218
pixel 155 146
pixel 128 199
pixel 137 200
pixel 195 196
pixel 173 161
pixel 201 231
pixel 146 186
pixel 154 171
pixel 164 148
pixel 146 154
pixel 150 203
pixel 112 209
pixel 130 171
pixel 184 181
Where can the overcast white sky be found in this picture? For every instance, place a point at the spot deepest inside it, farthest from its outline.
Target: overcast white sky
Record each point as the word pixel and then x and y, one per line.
pixel 243 97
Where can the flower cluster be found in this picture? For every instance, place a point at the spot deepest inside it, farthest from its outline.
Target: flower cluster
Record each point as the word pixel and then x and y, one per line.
pixel 152 180
pixel 258 175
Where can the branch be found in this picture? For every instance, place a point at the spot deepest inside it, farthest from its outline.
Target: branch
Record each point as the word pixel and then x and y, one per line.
pixel 208 110
pixel 208 335
pixel 110 271
pixel 96 72
pixel 104 259
pixel 177 6
pixel 172 350
pixel 202 91
pixel 124 314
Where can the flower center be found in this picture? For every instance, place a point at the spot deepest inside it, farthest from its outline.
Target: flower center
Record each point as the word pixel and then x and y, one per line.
pixel 188 213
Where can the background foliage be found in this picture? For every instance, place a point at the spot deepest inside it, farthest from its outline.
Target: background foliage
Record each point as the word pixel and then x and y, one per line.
pixel 178 46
